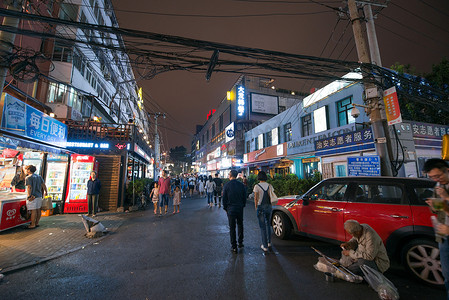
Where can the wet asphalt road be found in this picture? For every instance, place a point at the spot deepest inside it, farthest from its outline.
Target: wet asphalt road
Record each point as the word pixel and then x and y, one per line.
pixel 187 256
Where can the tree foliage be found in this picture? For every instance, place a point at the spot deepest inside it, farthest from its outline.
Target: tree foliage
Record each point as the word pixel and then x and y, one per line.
pixel 423 98
pixel 179 157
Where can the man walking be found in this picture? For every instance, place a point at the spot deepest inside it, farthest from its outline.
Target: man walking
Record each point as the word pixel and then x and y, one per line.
pixel 164 191
pixel 218 189
pixel 234 200
pixel 438 170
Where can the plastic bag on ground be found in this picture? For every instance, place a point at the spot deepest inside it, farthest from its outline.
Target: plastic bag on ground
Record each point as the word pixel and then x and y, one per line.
pixel 378 282
pixel 325 266
pixel 93 227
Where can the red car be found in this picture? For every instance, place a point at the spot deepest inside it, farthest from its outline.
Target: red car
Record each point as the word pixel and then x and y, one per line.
pixel 394 207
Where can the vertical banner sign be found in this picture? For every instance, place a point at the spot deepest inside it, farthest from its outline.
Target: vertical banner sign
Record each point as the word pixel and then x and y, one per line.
pixel 241 101
pixel 392 106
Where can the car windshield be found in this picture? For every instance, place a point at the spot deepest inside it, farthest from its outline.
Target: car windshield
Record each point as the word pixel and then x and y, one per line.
pixel 329 191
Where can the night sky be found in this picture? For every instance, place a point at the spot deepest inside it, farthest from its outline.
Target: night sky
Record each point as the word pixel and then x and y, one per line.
pixel 414 32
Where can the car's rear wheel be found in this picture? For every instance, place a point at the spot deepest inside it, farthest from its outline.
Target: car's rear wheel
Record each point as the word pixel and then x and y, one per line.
pixel 281 225
pixel 421 258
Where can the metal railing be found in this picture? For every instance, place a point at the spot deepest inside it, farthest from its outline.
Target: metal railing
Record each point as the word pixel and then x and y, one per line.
pixel 89 130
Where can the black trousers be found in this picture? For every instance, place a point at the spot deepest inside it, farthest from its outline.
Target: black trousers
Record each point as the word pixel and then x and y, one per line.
pixel 235 217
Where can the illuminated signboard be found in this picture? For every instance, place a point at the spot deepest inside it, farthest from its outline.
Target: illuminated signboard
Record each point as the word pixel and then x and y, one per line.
pixel 229 132
pixel 140 98
pixel 240 101
pixel 260 141
pixel 88 145
pixel 211 112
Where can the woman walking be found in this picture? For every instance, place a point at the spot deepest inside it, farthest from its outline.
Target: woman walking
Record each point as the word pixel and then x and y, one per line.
pixel 201 186
pixel 210 187
pixel 262 201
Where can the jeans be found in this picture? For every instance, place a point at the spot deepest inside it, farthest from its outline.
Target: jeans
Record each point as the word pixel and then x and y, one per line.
pixel 210 198
pixel 444 259
pixel 264 216
pixel 92 204
pixel 235 216
pixel 163 200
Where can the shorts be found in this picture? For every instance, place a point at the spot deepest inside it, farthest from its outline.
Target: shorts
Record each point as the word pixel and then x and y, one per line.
pixel 191 187
pixel 163 199
pixel 35 204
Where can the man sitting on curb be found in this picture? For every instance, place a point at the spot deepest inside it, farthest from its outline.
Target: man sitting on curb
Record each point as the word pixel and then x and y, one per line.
pixel 365 248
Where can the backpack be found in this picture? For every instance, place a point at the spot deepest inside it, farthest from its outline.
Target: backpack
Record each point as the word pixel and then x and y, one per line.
pixel 266 196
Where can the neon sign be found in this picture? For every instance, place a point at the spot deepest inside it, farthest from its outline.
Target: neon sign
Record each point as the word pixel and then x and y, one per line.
pixel 89 145
pixel 240 101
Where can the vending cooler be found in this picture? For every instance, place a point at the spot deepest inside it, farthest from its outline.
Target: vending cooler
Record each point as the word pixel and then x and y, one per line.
pixel 13 210
pixel 79 173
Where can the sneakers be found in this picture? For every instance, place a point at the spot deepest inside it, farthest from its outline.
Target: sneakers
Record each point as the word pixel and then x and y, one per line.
pixel 241 245
pixel 269 245
pixel 234 249
pixel 263 248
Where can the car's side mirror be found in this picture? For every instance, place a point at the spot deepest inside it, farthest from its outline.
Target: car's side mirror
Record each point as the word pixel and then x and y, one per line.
pixel 305 200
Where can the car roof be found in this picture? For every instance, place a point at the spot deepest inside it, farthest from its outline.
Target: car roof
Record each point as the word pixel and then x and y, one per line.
pixel 384 179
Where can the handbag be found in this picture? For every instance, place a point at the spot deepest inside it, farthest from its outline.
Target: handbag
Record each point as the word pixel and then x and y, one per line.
pixel 47 203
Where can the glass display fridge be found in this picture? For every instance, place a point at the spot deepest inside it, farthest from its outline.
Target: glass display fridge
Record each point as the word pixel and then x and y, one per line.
pixel 79 173
pixel 56 173
pixel 35 159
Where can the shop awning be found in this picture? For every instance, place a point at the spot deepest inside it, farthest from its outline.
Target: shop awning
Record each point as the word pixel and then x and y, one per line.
pixel 263 163
pixel 13 141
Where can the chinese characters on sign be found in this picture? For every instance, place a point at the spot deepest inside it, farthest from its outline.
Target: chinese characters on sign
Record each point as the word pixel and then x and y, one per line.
pixel 350 138
pixel 240 101
pixel 364 166
pixel 392 106
pixel 429 130
pixel 23 119
pixel 43 127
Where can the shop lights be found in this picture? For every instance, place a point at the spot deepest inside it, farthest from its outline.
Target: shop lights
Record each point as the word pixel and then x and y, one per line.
pixel 52 115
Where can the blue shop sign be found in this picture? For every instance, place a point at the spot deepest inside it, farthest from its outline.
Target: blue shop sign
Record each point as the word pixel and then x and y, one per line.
pixel 348 142
pixel 42 127
pixel 23 119
pixel 364 166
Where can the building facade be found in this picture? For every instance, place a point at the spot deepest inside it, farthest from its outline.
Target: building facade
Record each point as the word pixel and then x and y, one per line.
pixel 219 144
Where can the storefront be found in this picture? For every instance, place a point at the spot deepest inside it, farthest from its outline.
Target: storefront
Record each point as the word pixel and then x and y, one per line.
pixel 334 151
pixel 302 152
pixel 271 160
pixel 428 142
pixel 29 137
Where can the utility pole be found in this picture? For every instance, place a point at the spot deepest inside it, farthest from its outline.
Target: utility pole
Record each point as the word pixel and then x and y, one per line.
pixel 7 40
pixel 372 94
pixel 372 37
pixel 157 149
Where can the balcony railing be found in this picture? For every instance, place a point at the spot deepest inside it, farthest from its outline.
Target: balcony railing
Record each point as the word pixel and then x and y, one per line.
pixel 99 131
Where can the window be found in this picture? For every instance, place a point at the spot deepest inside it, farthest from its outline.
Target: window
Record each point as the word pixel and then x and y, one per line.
pixel 62 53
pixel 68 12
pixel 207 135
pixel 306 124
pixel 248 146
pixel 268 139
pixel 213 129
pixel 221 123
pixel 330 192
pixel 256 144
pixel 56 93
pixel 344 111
pixel 378 193
pixel 287 132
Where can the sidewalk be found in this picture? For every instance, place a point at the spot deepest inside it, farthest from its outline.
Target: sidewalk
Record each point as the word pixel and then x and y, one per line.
pixel 57 235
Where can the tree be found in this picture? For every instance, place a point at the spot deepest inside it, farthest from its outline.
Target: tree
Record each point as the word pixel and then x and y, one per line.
pixel 422 98
pixel 179 157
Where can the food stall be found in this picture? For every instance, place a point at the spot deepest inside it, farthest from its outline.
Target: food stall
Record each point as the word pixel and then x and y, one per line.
pixel 27 136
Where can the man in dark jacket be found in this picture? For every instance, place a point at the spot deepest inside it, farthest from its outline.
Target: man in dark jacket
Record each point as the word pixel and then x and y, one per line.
pixel 234 200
